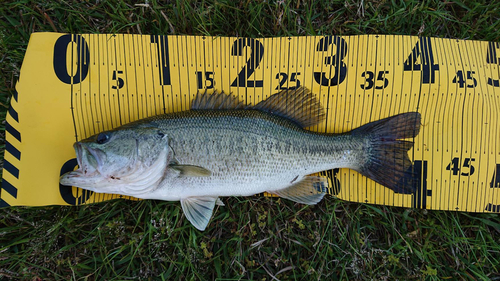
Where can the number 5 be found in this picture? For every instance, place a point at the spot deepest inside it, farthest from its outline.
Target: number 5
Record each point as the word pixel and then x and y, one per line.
pixel 468 164
pixel 119 80
pixel 381 77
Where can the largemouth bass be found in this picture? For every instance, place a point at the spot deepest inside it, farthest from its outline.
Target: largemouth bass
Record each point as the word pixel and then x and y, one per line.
pixel 221 147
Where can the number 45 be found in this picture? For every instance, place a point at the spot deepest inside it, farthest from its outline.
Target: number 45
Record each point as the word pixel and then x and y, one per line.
pixel 454 166
pixel 459 79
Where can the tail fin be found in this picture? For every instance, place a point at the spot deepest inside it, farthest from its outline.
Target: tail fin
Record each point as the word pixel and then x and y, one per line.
pixel 388 162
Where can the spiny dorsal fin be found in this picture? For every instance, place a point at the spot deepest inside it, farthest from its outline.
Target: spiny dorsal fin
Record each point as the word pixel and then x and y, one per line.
pixel 216 101
pixel 299 105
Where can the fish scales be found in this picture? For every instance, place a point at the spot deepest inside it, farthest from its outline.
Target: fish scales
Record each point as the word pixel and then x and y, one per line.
pixel 221 147
pixel 250 151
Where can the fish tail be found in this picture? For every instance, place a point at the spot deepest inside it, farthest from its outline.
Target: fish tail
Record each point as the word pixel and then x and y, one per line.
pixel 388 162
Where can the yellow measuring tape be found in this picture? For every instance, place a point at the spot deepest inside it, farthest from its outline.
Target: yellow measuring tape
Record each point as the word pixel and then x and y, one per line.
pixel 74 86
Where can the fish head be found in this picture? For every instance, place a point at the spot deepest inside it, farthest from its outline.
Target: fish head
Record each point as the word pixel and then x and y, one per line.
pixel 127 161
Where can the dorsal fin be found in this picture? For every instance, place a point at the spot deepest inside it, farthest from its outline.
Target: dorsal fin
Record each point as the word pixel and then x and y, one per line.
pixel 298 105
pixel 216 101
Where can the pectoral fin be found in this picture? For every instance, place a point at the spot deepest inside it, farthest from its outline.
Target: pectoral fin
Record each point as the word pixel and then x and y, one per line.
pixel 198 210
pixel 310 190
pixel 191 171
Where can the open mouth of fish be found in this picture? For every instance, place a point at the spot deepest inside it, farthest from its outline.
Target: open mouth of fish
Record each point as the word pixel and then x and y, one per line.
pixel 89 160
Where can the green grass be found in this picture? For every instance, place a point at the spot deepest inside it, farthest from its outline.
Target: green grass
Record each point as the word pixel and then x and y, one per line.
pixel 250 238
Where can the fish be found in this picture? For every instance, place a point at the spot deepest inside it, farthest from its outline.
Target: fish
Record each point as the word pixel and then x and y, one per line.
pixel 222 147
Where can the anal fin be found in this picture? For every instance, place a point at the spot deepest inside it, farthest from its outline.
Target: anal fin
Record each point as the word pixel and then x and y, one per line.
pixel 310 190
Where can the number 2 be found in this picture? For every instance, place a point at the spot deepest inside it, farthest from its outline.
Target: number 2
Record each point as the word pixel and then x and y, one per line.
pixel 252 62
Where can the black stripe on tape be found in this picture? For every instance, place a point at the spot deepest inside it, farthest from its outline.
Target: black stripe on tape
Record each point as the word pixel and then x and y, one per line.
pixel 494 82
pixel 13 113
pixel 11 130
pixel 492 208
pixel 15 95
pixel 12 150
pixel 7 166
pixel 3 203
pixel 9 188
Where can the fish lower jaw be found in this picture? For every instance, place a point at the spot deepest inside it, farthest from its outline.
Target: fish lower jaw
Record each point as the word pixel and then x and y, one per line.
pixel 79 179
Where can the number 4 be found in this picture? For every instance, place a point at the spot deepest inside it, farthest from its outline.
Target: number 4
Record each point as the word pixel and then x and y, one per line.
pixel 422 49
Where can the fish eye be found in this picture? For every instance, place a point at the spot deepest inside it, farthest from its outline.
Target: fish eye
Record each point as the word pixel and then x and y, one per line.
pixel 160 134
pixel 102 138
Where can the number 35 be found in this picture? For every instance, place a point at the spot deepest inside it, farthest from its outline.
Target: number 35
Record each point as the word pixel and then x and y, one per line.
pixel 368 75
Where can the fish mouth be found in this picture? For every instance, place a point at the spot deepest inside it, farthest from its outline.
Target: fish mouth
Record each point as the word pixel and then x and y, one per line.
pixel 79 153
pixel 89 162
